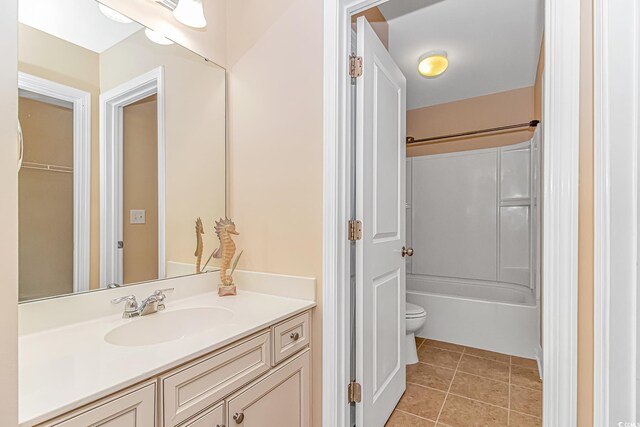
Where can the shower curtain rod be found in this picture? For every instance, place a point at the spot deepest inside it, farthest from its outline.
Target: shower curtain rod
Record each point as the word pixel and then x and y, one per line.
pixel 424 141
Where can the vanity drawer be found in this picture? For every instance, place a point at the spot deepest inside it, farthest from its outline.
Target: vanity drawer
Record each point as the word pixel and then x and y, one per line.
pixel 212 418
pixel 131 409
pixel 290 336
pixel 200 385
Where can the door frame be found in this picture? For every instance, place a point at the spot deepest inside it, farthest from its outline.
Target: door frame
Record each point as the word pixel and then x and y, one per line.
pixel 560 215
pixel 616 220
pixel 112 103
pixel 81 101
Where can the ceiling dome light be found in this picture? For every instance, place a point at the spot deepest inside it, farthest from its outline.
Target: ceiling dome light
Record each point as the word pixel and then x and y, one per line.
pixel 191 13
pixel 156 37
pixel 434 63
pixel 113 15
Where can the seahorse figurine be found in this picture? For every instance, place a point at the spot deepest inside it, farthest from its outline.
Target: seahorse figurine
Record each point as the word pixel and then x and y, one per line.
pixel 224 229
pixel 199 244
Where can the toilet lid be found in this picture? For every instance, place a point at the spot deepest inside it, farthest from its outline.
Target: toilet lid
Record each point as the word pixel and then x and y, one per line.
pixel 414 310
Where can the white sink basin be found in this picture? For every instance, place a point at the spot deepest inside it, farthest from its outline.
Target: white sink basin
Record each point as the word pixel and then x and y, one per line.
pixel 167 326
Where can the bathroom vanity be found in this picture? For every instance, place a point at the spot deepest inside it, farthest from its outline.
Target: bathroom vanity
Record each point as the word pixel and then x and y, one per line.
pixel 122 152
pixel 241 361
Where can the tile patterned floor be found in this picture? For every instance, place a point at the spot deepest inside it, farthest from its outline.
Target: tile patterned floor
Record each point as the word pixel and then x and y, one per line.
pixel 457 386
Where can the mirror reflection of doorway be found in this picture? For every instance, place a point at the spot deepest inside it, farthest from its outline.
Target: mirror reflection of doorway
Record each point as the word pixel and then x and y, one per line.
pixel 53 187
pixel 140 190
pixel 132 187
pixel 45 195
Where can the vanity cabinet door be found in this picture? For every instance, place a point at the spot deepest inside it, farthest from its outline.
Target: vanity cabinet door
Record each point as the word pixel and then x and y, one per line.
pixel 279 399
pixel 134 409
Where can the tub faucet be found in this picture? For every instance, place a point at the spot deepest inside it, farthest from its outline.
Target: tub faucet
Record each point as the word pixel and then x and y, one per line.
pixel 151 304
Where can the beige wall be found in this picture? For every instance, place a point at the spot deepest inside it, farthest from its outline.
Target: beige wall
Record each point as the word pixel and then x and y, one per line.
pixel 51 58
pixel 275 107
pixel 140 189
pixel 585 223
pixel 482 112
pixel 194 137
pixel 45 201
pixel 8 215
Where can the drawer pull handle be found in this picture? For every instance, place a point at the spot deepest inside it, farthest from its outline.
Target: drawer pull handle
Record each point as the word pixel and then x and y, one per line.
pixel 219 425
pixel 295 336
pixel 238 417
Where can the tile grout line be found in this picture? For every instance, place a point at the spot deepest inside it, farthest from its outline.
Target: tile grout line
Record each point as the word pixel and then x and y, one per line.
pixel 414 415
pixel 457 369
pixel 462 396
pixel 527 415
pixel 450 385
pixel 479 376
pixel 481 357
pixel 473 355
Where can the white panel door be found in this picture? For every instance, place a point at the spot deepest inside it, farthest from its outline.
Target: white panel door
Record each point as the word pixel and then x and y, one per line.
pixel 380 204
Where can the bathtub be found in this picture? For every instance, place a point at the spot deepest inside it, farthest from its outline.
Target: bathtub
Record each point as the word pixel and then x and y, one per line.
pixel 491 316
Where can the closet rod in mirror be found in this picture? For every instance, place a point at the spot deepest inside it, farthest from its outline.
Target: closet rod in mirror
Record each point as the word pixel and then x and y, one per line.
pixel 436 139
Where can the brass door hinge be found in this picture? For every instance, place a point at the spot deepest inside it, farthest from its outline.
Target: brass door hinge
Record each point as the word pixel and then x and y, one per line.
pixel 355 230
pixel 355 66
pixel 354 390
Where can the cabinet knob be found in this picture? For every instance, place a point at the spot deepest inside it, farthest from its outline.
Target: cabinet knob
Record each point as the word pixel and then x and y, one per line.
pixel 238 417
pixel 295 336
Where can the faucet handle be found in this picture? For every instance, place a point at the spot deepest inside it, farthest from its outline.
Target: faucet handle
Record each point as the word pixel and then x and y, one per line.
pixel 161 296
pixel 162 293
pixel 131 304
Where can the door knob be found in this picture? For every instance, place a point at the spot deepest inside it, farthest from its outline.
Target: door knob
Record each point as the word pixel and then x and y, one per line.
pixel 238 417
pixel 295 336
pixel 407 251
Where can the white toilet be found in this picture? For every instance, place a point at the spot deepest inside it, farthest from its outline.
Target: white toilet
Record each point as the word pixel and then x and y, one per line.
pixel 415 317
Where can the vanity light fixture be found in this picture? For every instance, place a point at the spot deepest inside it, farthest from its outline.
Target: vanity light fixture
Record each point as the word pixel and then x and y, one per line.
pixel 191 13
pixel 156 37
pixel 113 15
pixel 433 64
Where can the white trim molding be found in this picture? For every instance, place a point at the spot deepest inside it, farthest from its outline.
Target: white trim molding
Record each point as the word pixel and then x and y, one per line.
pixel 560 251
pixel 112 103
pixel 617 105
pixel 560 213
pixel 81 104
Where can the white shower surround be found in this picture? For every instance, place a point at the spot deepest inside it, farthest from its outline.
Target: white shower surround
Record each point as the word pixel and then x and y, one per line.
pixel 478 297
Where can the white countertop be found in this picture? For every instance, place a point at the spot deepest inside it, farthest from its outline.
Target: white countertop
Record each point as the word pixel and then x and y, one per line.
pixel 63 368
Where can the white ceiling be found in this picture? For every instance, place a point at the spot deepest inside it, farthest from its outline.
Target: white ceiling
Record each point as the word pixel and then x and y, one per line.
pixel 493 45
pixel 76 21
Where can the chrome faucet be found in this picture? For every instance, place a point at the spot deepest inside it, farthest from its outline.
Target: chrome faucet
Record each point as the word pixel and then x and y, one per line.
pixel 151 304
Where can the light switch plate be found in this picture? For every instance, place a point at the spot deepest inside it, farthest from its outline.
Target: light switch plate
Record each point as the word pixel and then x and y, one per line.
pixel 137 216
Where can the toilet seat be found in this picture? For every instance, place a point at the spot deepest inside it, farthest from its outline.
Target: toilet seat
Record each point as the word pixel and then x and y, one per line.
pixel 414 311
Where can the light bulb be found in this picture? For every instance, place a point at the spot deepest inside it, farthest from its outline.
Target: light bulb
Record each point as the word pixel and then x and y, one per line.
pixel 191 13
pixel 113 15
pixel 156 37
pixel 433 64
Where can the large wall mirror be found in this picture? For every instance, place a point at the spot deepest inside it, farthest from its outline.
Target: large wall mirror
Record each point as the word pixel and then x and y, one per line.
pixel 123 149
